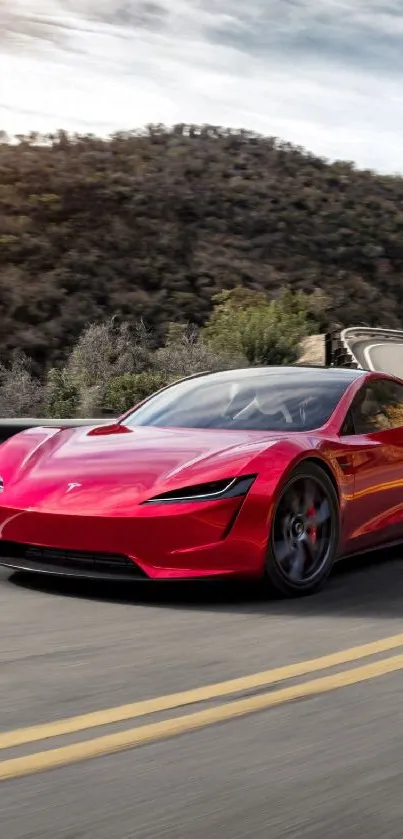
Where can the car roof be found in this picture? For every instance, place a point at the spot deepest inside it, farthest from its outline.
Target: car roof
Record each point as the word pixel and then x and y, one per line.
pixel 309 372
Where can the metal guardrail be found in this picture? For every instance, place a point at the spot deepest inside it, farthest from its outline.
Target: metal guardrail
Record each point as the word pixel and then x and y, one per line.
pixel 339 343
pixel 356 334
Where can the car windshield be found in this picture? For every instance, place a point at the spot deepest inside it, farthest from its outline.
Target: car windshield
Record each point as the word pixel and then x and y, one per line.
pixel 250 400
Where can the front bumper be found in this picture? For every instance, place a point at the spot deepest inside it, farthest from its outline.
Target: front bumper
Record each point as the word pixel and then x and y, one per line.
pixel 21 557
pixel 221 539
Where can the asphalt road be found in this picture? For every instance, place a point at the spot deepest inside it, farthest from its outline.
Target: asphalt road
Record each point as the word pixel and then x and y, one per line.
pixel 327 764
pixel 385 357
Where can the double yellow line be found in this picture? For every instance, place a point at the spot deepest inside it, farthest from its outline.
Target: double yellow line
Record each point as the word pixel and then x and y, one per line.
pixel 51 758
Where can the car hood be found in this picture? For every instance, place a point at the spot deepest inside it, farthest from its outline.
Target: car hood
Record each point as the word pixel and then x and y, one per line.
pixel 109 468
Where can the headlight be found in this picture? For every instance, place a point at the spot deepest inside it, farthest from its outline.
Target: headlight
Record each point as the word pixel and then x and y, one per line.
pixel 213 491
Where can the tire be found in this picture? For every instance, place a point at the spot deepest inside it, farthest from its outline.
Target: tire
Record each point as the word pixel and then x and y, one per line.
pixel 304 534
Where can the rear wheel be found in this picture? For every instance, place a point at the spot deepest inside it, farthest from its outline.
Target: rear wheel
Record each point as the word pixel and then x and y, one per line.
pixel 304 533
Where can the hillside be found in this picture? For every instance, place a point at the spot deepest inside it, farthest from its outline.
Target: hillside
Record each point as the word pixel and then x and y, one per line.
pixel 152 224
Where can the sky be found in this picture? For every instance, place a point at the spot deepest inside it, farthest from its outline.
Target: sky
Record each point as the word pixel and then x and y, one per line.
pixel 323 74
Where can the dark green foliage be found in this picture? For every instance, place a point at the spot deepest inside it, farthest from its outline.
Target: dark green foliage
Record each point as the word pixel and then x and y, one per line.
pixel 263 331
pixel 124 392
pixel 62 395
pixel 151 225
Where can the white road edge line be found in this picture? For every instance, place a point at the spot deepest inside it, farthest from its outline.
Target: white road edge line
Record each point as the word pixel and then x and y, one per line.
pixel 367 353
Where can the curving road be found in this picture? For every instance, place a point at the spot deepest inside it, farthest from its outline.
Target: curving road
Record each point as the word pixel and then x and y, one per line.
pixel 382 356
pixel 386 357
pixel 321 756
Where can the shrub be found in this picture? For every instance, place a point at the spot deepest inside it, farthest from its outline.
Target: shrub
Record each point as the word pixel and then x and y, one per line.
pixel 264 331
pixel 62 395
pixel 113 365
pixel 185 353
pixel 125 391
pixel 20 393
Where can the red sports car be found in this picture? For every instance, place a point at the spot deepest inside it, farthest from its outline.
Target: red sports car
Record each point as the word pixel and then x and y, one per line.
pixel 270 473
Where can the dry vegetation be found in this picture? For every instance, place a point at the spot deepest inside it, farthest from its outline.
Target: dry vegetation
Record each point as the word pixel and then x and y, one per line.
pixel 139 235
pixel 151 224
pixel 114 365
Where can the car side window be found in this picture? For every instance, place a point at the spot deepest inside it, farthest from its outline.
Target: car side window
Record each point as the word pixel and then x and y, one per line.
pixel 348 429
pixel 378 406
pixel 394 406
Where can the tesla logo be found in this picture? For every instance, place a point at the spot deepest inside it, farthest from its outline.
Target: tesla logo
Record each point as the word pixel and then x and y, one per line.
pixel 72 486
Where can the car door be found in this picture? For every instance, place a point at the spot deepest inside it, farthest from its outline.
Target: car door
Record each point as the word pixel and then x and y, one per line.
pixel 373 431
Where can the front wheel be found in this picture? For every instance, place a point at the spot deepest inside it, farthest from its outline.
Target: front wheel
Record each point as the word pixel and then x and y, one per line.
pixel 304 534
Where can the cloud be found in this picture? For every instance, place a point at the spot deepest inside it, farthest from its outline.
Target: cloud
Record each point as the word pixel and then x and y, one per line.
pixel 321 73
